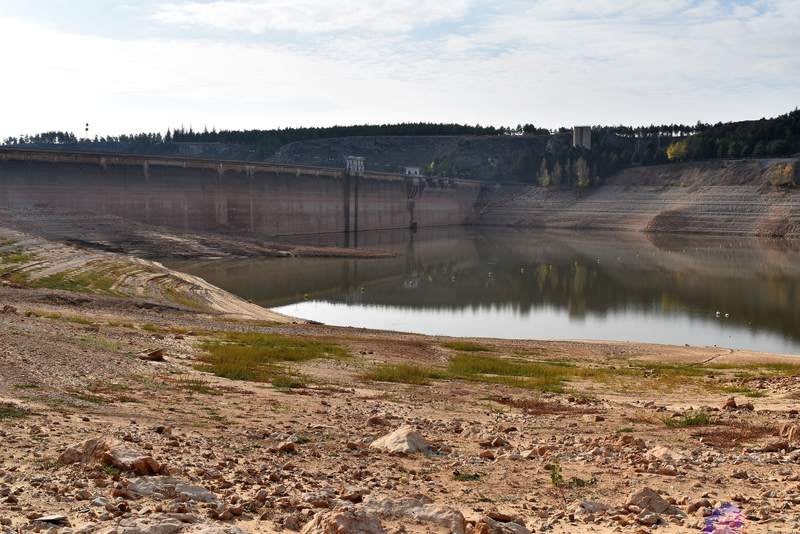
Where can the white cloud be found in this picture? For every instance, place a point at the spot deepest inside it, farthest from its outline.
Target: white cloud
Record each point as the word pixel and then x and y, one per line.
pixel 523 62
pixel 311 16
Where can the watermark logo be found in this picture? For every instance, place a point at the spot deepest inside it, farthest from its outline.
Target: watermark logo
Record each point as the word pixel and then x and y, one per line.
pixel 726 519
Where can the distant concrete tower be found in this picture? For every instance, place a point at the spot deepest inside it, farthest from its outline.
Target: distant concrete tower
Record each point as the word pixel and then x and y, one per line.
pixel 354 165
pixel 582 137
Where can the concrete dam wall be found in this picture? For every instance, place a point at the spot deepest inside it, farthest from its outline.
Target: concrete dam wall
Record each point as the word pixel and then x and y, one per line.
pixel 242 197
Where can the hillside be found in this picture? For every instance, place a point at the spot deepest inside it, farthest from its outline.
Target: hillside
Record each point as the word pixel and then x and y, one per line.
pixel 726 197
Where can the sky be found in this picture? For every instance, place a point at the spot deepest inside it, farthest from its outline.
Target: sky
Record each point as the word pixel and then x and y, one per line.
pixel 147 65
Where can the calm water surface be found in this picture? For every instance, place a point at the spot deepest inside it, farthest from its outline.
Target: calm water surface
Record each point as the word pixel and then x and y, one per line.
pixel 736 293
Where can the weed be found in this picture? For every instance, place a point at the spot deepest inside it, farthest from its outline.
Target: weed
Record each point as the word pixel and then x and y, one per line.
pixel 196 385
pixel 744 391
pixel 689 419
pixel 112 471
pixel 557 479
pixel 11 411
pixel 576 483
pixel 466 477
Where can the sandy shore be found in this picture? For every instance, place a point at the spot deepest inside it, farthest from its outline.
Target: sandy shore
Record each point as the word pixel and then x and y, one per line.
pixel 209 415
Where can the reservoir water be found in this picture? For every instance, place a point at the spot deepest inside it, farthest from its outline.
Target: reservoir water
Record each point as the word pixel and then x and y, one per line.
pixel 508 283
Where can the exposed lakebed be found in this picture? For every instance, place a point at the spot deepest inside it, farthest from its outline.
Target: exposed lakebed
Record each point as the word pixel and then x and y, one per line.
pixel 511 283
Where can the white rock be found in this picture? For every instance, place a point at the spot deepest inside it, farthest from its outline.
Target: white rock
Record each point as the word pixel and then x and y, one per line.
pixel 403 440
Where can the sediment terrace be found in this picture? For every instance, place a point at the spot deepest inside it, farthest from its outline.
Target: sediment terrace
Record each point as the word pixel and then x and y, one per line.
pixel 715 197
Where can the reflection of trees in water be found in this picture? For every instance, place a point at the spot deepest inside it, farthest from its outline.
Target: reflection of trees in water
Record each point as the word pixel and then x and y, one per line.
pixel 583 285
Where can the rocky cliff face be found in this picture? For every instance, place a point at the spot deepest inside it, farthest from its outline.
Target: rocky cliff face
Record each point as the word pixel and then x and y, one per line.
pixel 743 197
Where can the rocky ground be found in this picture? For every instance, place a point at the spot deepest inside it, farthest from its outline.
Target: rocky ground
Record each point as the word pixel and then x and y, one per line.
pixel 112 421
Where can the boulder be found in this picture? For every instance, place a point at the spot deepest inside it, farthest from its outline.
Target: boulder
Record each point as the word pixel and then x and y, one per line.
pixel 648 500
pixel 665 454
pixel 170 487
pixel 344 521
pixel 487 525
pixel 790 432
pixel 418 509
pixel 112 452
pixel 404 440
pixel 156 355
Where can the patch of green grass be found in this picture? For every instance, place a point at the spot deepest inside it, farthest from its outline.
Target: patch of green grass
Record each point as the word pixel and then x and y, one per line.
pixel 744 391
pixel 16 257
pixel 689 419
pixel 403 373
pixel 512 372
pixel 149 327
pixel 466 477
pixel 625 430
pixel 466 346
pixel 111 470
pixel 27 385
pixel 44 314
pixel 10 411
pixel 282 380
pixel 120 324
pixel 76 281
pixel 261 357
pixel 77 319
pixel 182 299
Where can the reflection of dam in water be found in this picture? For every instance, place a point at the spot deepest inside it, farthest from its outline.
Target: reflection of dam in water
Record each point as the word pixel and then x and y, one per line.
pixel 532 283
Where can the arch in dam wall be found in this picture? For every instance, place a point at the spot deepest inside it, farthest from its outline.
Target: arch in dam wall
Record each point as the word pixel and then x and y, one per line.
pixel 244 197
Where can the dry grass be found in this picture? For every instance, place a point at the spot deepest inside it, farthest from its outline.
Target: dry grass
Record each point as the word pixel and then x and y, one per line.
pixel 733 435
pixel 541 407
